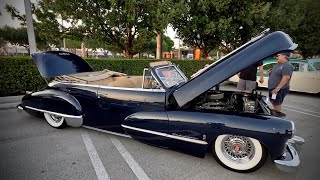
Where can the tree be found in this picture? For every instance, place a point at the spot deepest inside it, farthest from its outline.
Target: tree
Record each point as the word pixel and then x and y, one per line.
pixel 116 23
pixel 47 29
pixel 160 13
pixel 300 19
pixel 16 36
pixel 308 33
pixel 207 24
pixel 167 44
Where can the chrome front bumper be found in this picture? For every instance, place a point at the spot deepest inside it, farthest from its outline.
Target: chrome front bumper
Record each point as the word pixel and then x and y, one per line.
pixel 289 160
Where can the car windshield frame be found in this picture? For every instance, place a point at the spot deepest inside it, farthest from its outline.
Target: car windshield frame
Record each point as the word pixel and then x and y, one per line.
pixel 170 75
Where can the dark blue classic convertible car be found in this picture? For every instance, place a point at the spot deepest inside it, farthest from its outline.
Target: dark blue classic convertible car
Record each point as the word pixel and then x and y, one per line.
pixel 166 109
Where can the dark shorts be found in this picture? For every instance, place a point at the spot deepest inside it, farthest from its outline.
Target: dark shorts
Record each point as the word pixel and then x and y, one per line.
pixel 280 96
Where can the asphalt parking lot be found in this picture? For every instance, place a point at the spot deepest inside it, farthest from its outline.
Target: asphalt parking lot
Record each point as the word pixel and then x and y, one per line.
pixel 31 149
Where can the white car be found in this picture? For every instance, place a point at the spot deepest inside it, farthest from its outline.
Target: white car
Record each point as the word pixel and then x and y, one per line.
pixel 305 78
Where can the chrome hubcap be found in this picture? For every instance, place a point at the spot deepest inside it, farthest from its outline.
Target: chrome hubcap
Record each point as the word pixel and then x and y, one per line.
pixel 237 148
pixel 56 119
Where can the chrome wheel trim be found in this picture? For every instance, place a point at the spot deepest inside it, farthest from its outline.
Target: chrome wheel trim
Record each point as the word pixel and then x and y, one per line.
pixel 54 120
pixel 245 163
pixel 238 149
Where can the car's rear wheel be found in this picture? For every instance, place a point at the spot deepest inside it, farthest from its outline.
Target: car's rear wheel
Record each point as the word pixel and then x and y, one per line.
pixel 239 153
pixel 55 121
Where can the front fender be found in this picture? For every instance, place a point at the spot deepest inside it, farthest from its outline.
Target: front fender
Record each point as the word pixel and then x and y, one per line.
pixel 271 131
pixel 55 102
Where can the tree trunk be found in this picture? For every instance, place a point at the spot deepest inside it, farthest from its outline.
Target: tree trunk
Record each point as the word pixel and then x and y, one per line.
pixel 5 51
pixel 130 37
pixel 128 54
pixel 159 46
pixel 203 54
pixel 16 53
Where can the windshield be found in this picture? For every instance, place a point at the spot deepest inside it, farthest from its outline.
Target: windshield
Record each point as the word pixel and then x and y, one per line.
pixel 170 76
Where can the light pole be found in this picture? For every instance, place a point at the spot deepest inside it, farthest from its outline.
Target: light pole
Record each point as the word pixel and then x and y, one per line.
pixel 179 51
pixel 64 39
pixel 30 29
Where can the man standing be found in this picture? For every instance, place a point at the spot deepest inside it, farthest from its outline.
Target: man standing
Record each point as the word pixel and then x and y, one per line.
pixel 248 77
pixel 279 79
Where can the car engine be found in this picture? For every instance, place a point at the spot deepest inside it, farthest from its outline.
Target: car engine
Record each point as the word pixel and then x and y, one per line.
pixel 228 101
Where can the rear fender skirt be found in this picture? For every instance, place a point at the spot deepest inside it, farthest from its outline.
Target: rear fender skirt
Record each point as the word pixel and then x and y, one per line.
pixel 55 102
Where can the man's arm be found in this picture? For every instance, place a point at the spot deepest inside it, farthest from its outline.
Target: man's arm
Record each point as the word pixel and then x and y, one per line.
pixel 283 81
pixel 261 74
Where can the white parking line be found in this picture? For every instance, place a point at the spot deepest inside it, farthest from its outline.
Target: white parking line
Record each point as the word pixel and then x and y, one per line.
pixel 94 157
pixel 286 106
pixel 137 170
pixel 290 108
pixel 301 112
pixel 108 132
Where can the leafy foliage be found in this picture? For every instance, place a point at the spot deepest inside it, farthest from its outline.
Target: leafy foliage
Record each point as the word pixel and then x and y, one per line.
pixel 167 44
pixel 130 26
pixel 19 74
pixel 300 19
pixel 16 36
pixel 119 24
pixel 207 24
pixel 46 27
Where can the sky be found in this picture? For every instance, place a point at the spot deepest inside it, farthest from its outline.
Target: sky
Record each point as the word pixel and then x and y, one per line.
pixel 5 18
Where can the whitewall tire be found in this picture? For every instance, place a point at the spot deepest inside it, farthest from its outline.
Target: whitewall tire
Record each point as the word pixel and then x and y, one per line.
pixel 55 121
pixel 239 153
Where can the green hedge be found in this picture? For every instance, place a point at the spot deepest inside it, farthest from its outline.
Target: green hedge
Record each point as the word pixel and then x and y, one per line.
pixel 19 74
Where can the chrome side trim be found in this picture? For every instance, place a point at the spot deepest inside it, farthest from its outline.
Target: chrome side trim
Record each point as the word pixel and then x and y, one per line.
pixel 110 87
pixel 145 131
pixel 187 139
pixel 55 113
pixel 166 135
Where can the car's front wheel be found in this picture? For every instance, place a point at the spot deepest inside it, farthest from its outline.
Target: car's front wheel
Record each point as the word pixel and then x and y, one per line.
pixel 239 153
pixel 55 121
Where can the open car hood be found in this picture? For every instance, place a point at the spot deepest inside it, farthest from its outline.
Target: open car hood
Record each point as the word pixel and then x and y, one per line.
pixel 259 48
pixel 56 63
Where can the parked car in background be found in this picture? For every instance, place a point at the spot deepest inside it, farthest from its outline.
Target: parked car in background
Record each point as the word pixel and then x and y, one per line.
pixel 164 108
pixel 305 77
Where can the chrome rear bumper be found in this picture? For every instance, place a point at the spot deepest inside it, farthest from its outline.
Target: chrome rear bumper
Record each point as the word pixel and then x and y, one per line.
pixel 290 160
